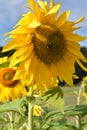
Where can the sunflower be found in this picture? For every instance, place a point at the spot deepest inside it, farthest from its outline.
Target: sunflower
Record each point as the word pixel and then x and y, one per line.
pixel 84 87
pixel 10 88
pixel 37 110
pixel 46 45
pixel 84 95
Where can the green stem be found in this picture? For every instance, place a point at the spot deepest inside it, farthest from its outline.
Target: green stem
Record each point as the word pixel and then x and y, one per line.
pixel 23 126
pixel 78 118
pixel 79 95
pixel 30 116
pixel 11 120
pixel 78 122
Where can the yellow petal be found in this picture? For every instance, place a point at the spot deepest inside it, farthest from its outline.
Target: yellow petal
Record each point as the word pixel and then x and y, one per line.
pixel 62 18
pixel 69 26
pixel 69 62
pixel 66 26
pixel 35 8
pixel 34 24
pixel 21 54
pixel 3 59
pixel 20 30
pixel 79 20
pixel 18 36
pixel 74 37
pixel 76 52
pixel 81 65
pixel 75 76
pixel 64 72
pixel 13 44
pixel 74 45
pixel 5 34
pixel 28 61
pixel 54 9
pixel 26 19
pixel 51 3
pixel 43 5
pixel 53 70
pixel 48 75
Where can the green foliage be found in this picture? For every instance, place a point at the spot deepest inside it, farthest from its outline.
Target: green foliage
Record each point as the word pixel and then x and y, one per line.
pixel 15 105
pixel 54 120
pixel 6 64
pixel 17 110
pixel 53 117
pixel 76 110
pixel 54 96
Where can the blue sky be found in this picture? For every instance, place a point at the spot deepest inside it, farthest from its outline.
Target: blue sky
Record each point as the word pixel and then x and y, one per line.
pixel 12 10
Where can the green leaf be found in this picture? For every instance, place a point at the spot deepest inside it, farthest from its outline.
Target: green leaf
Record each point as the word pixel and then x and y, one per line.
pixel 15 105
pixel 19 122
pixel 76 110
pixel 54 91
pixel 3 122
pixel 45 126
pixel 56 124
pixel 54 97
pixel 5 64
pixel 84 127
pixel 53 114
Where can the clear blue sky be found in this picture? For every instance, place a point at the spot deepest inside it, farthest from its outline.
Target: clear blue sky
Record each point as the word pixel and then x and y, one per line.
pixel 12 10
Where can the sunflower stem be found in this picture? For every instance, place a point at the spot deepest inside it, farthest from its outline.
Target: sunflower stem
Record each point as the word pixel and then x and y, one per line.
pixel 78 118
pixel 79 95
pixel 30 116
pixel 30 111
pixel 10 115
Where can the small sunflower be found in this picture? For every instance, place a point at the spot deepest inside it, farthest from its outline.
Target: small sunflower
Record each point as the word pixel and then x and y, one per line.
pixel 46 46
pixel 10 88
pixel 84 86
pixel 84 95
pixel 37 110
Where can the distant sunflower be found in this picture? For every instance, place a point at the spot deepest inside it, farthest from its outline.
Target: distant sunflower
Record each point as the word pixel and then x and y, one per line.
pixel 37 110
pixel 46 46
pixel 10 88
pixel 84 94
pixel 84 87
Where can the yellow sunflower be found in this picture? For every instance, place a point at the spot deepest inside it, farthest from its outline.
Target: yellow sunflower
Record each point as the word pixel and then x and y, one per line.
pixel 84 86
pixel 10 88
pixel 84 95
pixel 37 110
pixel 46 46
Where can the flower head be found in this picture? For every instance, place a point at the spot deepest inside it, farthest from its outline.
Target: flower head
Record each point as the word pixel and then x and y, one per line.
pixel 37 110
pixel 84 86
pixel 10 88
pixel 46 46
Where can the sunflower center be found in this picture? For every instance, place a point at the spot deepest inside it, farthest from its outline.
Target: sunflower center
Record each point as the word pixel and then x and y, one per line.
pixel 6 76
pixel 54 42
pixel 48 44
